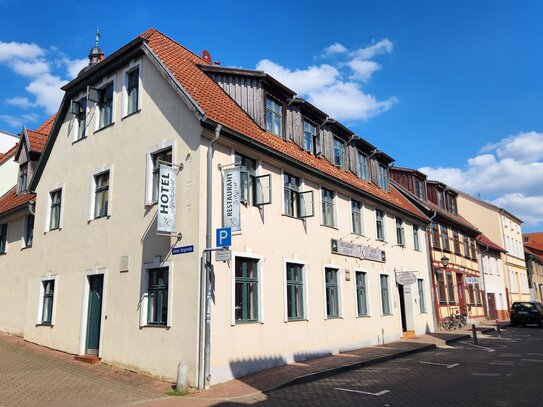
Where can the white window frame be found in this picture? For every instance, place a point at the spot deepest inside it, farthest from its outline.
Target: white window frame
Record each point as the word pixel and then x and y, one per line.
pixel 334 202
pixel 424 291
pixel 384 222
pixel 133 65
pixel 144 300
pixel 103 84
pixel 368 293
pixel 24 236
pixel 160 146
pixel 75 123
pixel 260 292
pixel 51 189
pixel 419 228
pixel 362 218
pixel 302 190
pixel 339 290
pixel 92 190
pixel 390 302
pixel 402 229
pixel 44 278
pixel 305 291
pixel 6 245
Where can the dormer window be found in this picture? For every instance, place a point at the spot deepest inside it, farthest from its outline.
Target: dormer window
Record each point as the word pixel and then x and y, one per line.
pixel 310 133
pixel 105 105
pixel 338 152
pixel 274 117
pixel 362 166
pixel 439 199
pixel 452 204
pixel 23 177
pixel 419 188
pixel 383 181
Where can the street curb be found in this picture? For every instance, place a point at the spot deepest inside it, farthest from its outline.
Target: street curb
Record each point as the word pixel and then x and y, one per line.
pixel 458 338
pixel 344 368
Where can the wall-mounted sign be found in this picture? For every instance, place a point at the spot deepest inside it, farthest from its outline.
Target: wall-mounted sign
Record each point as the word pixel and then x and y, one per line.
pixel 406 278
pixel 123 264
pixel 357 250
pixel 231 199
pixel 183 249
pixel 166 199
pixel 223 255
pixel 472 280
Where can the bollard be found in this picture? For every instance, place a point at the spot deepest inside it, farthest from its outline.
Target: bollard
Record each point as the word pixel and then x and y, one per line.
pixel 182 383
pixel 499 328
pixel 474 333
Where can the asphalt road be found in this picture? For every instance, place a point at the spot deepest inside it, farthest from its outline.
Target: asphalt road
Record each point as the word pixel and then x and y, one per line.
pixel 506 371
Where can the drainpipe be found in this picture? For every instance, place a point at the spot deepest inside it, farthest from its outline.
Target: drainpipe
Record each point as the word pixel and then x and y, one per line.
pixel 204 333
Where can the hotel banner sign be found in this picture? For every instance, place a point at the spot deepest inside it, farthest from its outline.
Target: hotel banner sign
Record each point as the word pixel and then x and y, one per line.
pixel 231 199
pixel 357 250
pixel 166 199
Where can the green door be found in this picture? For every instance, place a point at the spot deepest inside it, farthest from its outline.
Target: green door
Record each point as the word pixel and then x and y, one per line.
pixel 94 319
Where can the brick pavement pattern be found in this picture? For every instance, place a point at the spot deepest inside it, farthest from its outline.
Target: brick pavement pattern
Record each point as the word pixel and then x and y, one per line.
pixel 31 375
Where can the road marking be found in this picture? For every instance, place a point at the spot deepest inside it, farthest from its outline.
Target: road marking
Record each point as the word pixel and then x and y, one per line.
pixel 502 363
pixel 531 360
pixel 534 354
pixel 486 374
pixel 441 364
pixel 478 346
pixel 511 355
pixel 363 392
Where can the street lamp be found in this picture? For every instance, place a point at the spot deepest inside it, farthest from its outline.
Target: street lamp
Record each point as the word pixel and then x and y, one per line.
pixel 445 261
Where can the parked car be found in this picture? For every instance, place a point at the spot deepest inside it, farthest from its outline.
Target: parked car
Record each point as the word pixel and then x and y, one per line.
pixel 526 312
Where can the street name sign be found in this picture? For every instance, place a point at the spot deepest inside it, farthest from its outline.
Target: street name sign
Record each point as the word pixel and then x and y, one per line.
pixel 183 249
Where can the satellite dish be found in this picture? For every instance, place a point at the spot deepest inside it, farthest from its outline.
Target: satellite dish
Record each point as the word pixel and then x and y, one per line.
pixel 206 56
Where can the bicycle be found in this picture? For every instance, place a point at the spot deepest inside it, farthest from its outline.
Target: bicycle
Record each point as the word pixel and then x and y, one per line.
pixel 454 320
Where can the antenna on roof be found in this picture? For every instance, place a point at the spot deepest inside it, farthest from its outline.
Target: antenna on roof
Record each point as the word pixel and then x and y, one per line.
pixel 206 56
pixel 97 37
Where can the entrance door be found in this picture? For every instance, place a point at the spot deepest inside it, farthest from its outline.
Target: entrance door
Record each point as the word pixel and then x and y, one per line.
pixel 461 293
pixel 94 318
pixel 402 307
pixel 491 299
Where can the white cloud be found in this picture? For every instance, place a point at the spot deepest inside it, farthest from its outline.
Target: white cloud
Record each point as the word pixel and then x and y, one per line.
pixel 18 50
pixel 337 88
pixel 384 46
pixel 302 81
pixel 509 173
pixel 45 70
pixel 335 48
pixel 20 101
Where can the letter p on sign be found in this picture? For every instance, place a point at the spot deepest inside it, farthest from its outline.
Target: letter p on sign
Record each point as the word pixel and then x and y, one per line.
pixel 224 237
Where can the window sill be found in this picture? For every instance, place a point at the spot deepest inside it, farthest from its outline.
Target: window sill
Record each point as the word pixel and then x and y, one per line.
pixel 364 316
pixel 98 218
pixel 130 114
pixel 78 140
pixel 292 217
pixel 387 315
pixel 296 320
pixel 103 128
pixel 46 324
pixel 333 317
pixel 330 226
pixel 52 230
pixel 26 247
pixel 163 326
pixel 248 322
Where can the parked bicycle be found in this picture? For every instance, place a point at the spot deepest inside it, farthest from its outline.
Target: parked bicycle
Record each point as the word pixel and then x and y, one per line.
pixel 454 320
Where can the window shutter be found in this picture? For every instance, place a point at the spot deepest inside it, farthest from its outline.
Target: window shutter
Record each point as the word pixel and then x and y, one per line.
pixel 328 145
pixel 351 158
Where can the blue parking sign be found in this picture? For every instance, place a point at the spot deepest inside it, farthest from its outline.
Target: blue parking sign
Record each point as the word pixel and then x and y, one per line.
pixel 224 237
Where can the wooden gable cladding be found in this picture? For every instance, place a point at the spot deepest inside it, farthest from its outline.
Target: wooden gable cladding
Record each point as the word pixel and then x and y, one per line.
pixel 246 91
pixel 294 127
pixel 409 178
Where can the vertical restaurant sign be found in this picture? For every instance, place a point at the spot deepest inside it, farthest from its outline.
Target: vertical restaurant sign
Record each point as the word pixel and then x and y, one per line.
pixel 231 199
pixel 166 199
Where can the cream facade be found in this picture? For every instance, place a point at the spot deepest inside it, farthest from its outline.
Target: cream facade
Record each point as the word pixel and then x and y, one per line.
pixel 99 280
pixel 504 229
pixel 493 283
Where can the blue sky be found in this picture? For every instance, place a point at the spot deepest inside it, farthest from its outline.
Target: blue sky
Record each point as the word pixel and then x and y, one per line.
pixel 454 88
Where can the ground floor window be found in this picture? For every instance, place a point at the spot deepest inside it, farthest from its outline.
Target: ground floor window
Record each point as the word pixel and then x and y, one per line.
pixel 450 288
pixel 422 301
pixel 157 311
pixel 332 292
pixel 361 293
pixel 246 298
pixel 295 291
pixel 47 306
pixel 441 288
pixel 385 296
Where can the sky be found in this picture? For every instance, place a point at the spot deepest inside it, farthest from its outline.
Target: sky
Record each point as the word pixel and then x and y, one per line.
pixel 454 89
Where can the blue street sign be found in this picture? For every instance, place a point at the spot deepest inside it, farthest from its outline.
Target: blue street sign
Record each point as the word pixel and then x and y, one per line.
pixel 224 237
pixel 183 249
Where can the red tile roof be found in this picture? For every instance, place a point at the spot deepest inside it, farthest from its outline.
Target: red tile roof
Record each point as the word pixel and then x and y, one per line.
pixel 46 127
pixel 8 154
pixel 487 242
pixel 535 247
pixel 219 107
pixel 10 200
pixel 36 140
pixel 534 237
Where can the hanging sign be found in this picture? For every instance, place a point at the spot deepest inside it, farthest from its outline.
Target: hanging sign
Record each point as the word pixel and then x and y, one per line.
pixel 166 199
pixel 357 250
pixel 231 199
pixel 406 278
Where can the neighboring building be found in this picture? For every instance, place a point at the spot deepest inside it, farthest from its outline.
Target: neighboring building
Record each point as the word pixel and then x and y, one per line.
pixel 493 279
pixel 8 170
pixel 7 141
pixel 533 250
pixel 504 229
pixel 457 279
pixel 316 256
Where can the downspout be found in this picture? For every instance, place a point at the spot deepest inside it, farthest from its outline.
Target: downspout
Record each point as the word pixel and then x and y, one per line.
pixel 204 333
pixel 432 274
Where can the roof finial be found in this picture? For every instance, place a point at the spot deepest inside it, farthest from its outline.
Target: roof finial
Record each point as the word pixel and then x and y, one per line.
pixel 97 38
